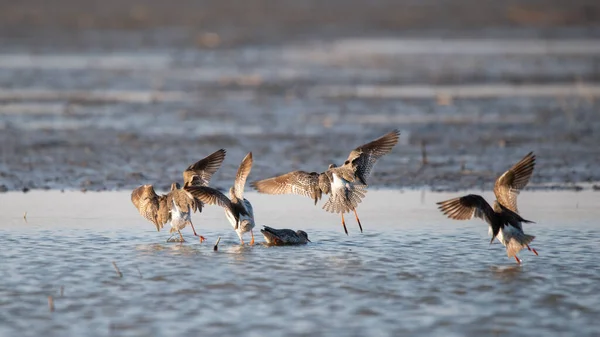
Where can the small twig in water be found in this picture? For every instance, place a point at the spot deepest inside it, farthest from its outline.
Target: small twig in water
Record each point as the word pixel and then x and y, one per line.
pixel 25 216
pixel 216 247
pixel 139 272
pixel 424 160
pixel 117 269
pixel 51 303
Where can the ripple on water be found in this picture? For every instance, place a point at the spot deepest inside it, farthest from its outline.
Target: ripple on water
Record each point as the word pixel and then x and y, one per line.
pixel 381 283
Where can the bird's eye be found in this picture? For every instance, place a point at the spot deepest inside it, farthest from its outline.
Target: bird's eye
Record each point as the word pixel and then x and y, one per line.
pixel 346 162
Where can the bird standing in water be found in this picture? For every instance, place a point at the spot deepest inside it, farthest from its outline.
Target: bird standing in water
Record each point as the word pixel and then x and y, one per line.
pixel 238 209
pixel 176 206
pixel 346 184
pixel 503 218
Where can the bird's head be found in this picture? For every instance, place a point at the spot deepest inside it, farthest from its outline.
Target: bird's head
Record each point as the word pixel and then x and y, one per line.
pixel 303 234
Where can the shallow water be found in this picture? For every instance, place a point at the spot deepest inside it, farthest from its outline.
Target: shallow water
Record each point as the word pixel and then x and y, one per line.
pixel 411 272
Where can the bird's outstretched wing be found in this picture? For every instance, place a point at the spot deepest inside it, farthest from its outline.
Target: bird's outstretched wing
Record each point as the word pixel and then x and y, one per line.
pixel 211 196
pixel 296 182
pixel 242 174
pixel 200 172
pixel 509 184
pixel 467 207
pixel 150 205
pixel 363 158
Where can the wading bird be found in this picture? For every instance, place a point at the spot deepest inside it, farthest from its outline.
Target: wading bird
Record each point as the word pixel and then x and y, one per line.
pixel 346 184
pixel 238 209
pixel 503 219
pixel 176 206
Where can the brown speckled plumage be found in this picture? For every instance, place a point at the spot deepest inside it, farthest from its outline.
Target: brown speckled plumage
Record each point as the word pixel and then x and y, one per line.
pixel 160 209
pixel 200 172
pixel 146 201
pixel 509 185
pixel 238 209
pixel 346 184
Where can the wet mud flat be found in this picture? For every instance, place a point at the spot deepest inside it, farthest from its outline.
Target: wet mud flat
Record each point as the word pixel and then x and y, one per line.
pixel 121 96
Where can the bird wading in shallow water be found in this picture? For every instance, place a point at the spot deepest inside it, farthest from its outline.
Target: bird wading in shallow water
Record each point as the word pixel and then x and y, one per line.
pixel 346 184
pixel 176 207
pixel 284 236
pixel 238 209
pixel 503 218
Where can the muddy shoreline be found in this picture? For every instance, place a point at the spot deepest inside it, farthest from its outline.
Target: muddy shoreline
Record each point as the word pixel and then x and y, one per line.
pixel 131 93
pixel 458 156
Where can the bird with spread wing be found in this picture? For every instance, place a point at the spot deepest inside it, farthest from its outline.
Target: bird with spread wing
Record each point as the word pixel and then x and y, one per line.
pixel 503 218
pixel 176 206
pixel 238 209
pixel 345 184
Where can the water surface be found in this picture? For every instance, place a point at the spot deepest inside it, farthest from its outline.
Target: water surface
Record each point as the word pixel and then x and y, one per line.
pixel 411 272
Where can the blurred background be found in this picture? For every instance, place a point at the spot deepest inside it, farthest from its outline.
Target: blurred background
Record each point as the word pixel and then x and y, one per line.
pixel 98 95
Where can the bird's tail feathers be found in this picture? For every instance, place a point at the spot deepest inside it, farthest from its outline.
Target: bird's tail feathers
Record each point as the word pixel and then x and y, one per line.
pixel 345 202
pixel 517 242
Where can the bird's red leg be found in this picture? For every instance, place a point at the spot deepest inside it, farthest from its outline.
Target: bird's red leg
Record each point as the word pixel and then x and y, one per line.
pixel 358 220
pixel 532 250
pixel 344 224
pixel 202 238
pixel 252 240
pixel 518 261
